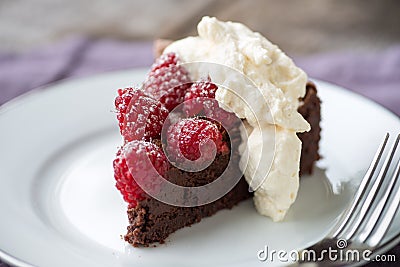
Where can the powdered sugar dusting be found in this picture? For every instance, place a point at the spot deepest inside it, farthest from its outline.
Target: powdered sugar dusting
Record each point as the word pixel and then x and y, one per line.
pixel 167 81
pixel 139 115
pixel 186 136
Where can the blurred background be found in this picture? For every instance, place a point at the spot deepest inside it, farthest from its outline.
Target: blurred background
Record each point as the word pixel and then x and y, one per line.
pixel 299 27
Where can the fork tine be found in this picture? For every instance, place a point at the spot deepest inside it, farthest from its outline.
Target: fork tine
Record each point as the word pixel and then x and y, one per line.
pixel 371 196
pixel 389 213
pixel 346 217
pixel 386 220
pixel 379 209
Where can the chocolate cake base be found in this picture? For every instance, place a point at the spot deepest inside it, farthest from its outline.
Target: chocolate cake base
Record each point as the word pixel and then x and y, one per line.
pixel 153 221
pixel 311 111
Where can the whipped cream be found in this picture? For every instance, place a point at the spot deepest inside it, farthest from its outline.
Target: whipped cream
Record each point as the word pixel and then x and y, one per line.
pixel 268 99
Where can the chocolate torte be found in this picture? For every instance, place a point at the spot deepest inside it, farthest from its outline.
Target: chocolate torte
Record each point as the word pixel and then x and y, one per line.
pixel 143 112
pixel 153 221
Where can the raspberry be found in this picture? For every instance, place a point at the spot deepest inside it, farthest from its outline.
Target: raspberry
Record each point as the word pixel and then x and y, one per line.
pixel 139 115
pixel 203 88
pixel 133 159
pixel 164 61
pixel 200 101
pixel 186 136
pixel 198 95
pixel 167 81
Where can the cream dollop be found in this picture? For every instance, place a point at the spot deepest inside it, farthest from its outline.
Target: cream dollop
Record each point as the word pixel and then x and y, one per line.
pixel 268 101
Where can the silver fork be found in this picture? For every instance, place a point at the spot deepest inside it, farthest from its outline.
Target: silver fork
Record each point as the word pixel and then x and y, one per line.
pixel 357 236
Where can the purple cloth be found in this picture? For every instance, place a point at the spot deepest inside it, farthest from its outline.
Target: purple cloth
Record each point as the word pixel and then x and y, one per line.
pixel 375 75
pixel 76 57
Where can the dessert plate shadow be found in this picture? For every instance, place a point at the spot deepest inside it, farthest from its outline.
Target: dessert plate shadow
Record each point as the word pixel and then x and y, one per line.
pixel 59 206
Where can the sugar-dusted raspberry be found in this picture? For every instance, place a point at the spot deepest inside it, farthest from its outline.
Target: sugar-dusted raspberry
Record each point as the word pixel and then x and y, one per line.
pixel 138 161
pixel 121 104
pixel 185 137
pixel 139 115
pixel 167 81
pixel 199 97
pixel 204 88
pixel 200 101
pixel 164 61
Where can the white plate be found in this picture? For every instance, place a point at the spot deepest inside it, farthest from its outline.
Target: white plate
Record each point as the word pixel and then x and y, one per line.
pixel 59 206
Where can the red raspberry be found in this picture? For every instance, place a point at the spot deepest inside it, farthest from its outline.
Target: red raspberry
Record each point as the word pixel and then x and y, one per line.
pixel 164 61
pixel 185 137
pixel 203 88
pixel 133 159
pixel 200 101
pixel 139 115
pixel 198 95
pixel 167 81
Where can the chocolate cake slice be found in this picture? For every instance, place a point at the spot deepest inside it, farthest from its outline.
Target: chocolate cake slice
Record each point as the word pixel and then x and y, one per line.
pixel 153 221
pixel 143 111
